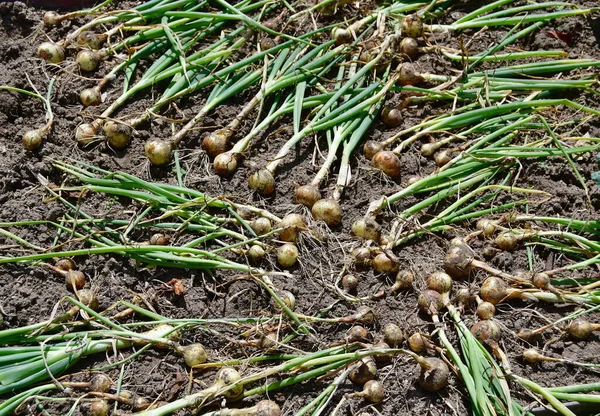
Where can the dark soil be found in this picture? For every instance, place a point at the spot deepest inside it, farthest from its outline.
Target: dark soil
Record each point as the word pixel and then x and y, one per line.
pixel 29 293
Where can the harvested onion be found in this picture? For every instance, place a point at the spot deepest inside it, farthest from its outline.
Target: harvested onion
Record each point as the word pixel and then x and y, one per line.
pixel 33 139
pixel 385 263
pixel 440 282
pixel 65 264
pixel 85 134
pixel 225 164
pixel 361 256
pixel 365 371
pixel 98 408
pixel 292 224
pixel 262 182
pixel 458 260
pixel 409 47
pixel 256 254
pixel 159 152
pixel 216 142
pixel 367 228
pixel 391 117
pixel 393 335
pixel 404 280
pixel 434 374
pixel 261 226
pixel 118 134
pixel 371 148
pixel 307 195
pixel 388 163
pixel 287 255
pixel 487 332
pixel 88 60
pixel 328 211
pixel 507 241
pixel 51 52
pixel 74 279
pixel 90 97
pixel 412 26
pixel 193 354
pixel 372 391
pixel 580 329
pixel 350 283
pixel 485 310
pixel 430 302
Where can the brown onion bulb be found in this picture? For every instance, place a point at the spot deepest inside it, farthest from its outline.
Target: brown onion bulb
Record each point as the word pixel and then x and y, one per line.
pixel 216 142
pixel 430 302
pixel 434 374
pixel 74 279
pixel 487 227
pixel 88 298
pixel 328 211
pixel 88 60
pixel 404 280
pixel 507 241
pixel 372 391
pixel 267 408
pixel 159 239
pixel 307 195
pixel 225 164
pixel 118 134
pixel 419 343
pixel 292 225
pixel 262 182
pixel 412 26
pixel 367 228
pixel 159 152
pixel 100 383
pixel 65 264
pixel 90 39
pixel 361 256
pixel 366 370
pixel 458 260
pixel 409 47
pixel 532 356
pixel 225 378
pixel 51 18
pixel 388 163
pixel 393 335
pixel 385 263
pixel 365 315
pixel 98 407
pixel 90 97
pixel 358 333
pixel 442 158
pixel 256 254
pixel 391 117
pixel 51 52
pixel 440 282
pixel 493 290
pixel 487 332
pixel 541 281
pixel 350 283
pixel 371 148
pixel 341 36
pixel 287 255
pixel 261 226
pixel 193 354
pixel 33 139
pixel 85 133
pixel 485 310
pixel 408 75
pixel 580 329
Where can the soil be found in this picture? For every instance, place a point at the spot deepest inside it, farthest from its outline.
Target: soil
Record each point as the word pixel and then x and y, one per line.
pixel 29 293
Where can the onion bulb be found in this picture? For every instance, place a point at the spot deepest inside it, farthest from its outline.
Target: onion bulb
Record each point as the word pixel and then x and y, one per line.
pixel 580 329
pixel 391 117
pixel 367 228
pixel 442 158
pixel 428 149
pixel 487 332
pixel 226 377
pixel 358 334
pixel 262 182
pixel 51 18
pixel 287 298
pixel 159 239
pixel 541 281
pixel 385 263
pixel 430 302
pixel 90 97
pixel 261 226
pixel 193 354
pixel 440 282
pixel 412 26
pixel 419 343
pixel 307 195
pixel 292 224
pixel 485 310
pixel 100 383
pixel 489 252
pixel 487 227
pixel 372 391
pixel 365 315
pixel 65 264
pixel 404 280
pixel 256 254
pixel 350 283
pixel 493 290
pixel 118 134
pixel 90 39
pixel 74 279
pixel 409 47
pixel 458 260
pixel 33 139
pixel 328 211
pixel 51 52
pixel 287 255
pixel 371 148
pixel 216 142
pixel 159 152
pixel 388 163
pixel 225 164
pixel 365 371
pixel 88 60
pixel 361 256
pixel 434 374
pixel 507 241
pixel 408 75
pixel 532 356
pixel 267 43
pixel 341 36
pixel 98 408
pixel 85 134
pixel 264 408
pixel 88 298
pixel 393 335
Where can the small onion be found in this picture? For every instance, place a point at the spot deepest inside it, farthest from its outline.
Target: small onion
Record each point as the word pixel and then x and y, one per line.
pixel 418 343
pixel 140 403
pixel 408 75
pixel 98 408
pixel 365 315
pixel 51 52
pixel 372 391
pixel 485 310
pixel 458 260
pixel 88 298
pixel 440 282
pixel 487 332
pixel 388 163
pixel 409 47
pixel 507 241
pixel 216 142
pixel 493 290
pixel 159 239
pixel 541 281
pixel 267 43
pixel 412 26
pixel 159 152
pixel 328 211
pixel 65 264
pixel 367 228
pixel 404 280
pixel 85 134
pixel 532 356
pixel 412 180
pixel 366 370
pixel 225 164
pixel 358 334
pixel 393 335
pixel 90 97
pixel 428 149
pixel 51 18
pixel 292 224
pixel 262 182
pixel 371 148
pixel 486 226
pixel 307 195
pixel 580 329
pixel 442 158
pixel 287 298
pixel 261 226
pixel 287 255
pixel 526 334
pixel 488 252
pixel 385 263
pixel 430 302
pixel 118 134
pixel 100 383
pixel 193 354
pixel 256 254
pixel 225 378
pixel 463 297
pixel 383 358
pixel 90 39
pixel 391 117
pixel 266 408
pixel 74 279
pixel 33 139
pixel 361 256
pixel 88 60
pixel 434 374
pixel 350 283
pixel 341 36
